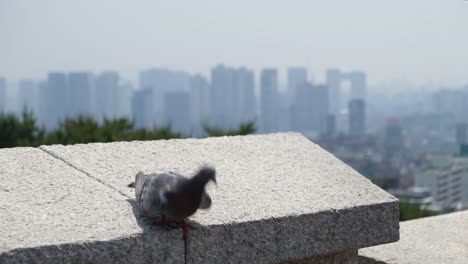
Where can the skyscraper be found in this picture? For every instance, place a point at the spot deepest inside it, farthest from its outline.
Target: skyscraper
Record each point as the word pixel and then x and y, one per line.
pixel 199 103
pixel 461 133
pixel 177 110
pixel 112 97
pixel 223 96
pixel 54 100
pixel 161 81
pixel 27 95
pixel 269 100
pixel 311 109
pixel 334 83
pixel 296 77
pixel 245 108
pixel 358 85
pixel 80 94
pixel 357 117
pixel 142 109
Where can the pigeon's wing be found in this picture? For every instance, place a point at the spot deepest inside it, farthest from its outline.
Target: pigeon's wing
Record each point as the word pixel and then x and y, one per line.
pixel 150 192
pixel 179 179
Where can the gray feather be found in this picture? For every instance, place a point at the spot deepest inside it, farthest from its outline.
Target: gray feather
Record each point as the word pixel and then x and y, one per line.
pixel 150 192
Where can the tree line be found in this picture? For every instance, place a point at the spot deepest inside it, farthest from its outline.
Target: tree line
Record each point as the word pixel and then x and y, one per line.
pixel 25 131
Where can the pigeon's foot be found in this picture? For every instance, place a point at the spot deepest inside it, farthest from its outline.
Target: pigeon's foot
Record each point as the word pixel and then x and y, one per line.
pixel 185 227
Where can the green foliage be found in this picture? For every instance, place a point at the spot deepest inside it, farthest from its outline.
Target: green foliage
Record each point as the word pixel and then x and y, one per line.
pixel 411 211
pixel 19 131
pixel 244 129
pixel 24 131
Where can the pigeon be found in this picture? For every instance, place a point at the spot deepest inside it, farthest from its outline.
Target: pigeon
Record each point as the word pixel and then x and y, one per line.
pixel 171 196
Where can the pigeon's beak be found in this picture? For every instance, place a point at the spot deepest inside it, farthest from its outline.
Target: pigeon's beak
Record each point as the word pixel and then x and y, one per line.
pixel 214 180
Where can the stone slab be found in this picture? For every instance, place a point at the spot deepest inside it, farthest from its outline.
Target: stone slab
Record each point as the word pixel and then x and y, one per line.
pixel 279 196
pixel 437 239
pixel 52 213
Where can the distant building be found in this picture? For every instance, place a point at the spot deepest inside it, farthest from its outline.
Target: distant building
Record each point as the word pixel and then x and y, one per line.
pixel 223 97
pixel 28 95
pixel 331 125
pixel 285 112
pixel 199 103
pixel 269 100
pixel 448 181
pixel 162 81
pixel 112 97
pixel 54 100
pixel 246 88
pixel 334 88
pixel 177 110
pixel 2 94
pixel 232 96
pixel 80 94
pixel 142 109
pixel 357 117
pixel 339 100
pixel 461 136
pixel 394 141
pixel 296 77
pixel 358 85
pixel 453 102
pixel 311 109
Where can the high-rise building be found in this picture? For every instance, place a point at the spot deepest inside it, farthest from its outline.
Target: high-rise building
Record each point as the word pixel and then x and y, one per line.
pixel 142 109
pixel 269 103
pixel 340 99
pixel 285 109
pixel 448 101
pixel 112 97
pixel 232 96
pixel 357 117
pixel 223 96
pixel 161 81
pixel 447 179
pixel 461 136
pixel 334 88
pixel 358 85
pixel 245 86
pixel 2 94
pixel 199 103
pixel 296 76
pixel 311 109
pixel 394 141
pixel 331 125
pixel 27 95
pixel 123 107
pixel 54 100
pixel 80 94
pixel 177 110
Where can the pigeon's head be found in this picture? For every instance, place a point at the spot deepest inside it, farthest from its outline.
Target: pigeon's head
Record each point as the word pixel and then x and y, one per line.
pixel 205 175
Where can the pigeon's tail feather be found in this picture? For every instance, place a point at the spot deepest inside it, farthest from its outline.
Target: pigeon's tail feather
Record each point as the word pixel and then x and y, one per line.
pixel 138 177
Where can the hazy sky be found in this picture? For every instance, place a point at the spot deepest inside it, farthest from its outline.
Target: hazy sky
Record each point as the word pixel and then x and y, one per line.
pixel 418 40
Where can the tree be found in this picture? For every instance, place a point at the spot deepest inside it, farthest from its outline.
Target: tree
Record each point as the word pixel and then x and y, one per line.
pixel 412 211
pixel 244 129
pixel 21 131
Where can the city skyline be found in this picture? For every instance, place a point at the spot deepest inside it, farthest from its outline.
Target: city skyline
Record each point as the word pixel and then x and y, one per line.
pixel 382 39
